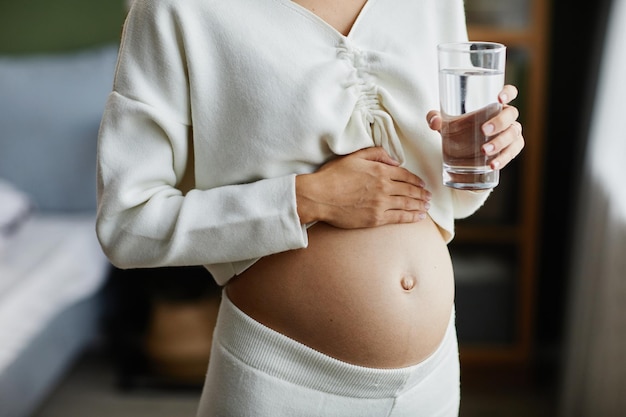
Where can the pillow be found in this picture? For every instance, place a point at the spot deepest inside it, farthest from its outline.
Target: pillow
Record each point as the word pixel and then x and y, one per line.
pixel 14 210
pixel 50 112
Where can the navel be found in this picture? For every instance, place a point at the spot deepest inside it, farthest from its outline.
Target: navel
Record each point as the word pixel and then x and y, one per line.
pixel 408 282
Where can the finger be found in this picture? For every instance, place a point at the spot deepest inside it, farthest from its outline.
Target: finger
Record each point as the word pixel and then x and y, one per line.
pixel 434 120
pixel 508 94
pixel 508 145
pixel 402 175
pixel 409 204
pixel 377 154
pixel 502 121
pixel 405 190
pixel 504 139
pixel 404 216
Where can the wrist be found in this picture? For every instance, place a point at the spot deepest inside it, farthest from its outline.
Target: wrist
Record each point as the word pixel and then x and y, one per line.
pixel 307 207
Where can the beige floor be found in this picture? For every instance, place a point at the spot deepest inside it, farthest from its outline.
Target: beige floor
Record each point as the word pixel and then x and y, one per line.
pixel 89 391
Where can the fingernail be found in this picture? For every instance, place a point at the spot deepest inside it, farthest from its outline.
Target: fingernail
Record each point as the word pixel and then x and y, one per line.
pixel 432 119
pixel 488 148
pixel 421 216
pixel 504 98
pixel 429 195
pixel 488 129
pixel 427 206
pixel 495 165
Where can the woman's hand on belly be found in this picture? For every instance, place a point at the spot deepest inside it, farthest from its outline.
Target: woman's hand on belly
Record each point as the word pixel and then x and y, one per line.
pixel 374 286
pixel 364 189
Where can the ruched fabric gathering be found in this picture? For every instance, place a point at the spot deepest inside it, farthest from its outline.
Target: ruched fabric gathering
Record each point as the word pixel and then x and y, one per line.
pixel 369 113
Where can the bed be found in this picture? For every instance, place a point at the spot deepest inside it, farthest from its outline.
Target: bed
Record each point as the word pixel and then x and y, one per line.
pixel 49 309
pixel 52 269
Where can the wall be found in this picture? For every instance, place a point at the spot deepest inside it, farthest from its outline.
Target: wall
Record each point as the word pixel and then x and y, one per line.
pixel 31 26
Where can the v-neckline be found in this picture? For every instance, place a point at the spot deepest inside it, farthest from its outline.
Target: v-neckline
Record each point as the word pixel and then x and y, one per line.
pixel 322 22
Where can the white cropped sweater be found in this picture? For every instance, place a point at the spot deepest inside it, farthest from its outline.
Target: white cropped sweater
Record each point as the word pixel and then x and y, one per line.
pixel 237 97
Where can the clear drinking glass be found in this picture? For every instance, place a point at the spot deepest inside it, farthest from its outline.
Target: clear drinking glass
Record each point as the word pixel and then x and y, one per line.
pixel 471 75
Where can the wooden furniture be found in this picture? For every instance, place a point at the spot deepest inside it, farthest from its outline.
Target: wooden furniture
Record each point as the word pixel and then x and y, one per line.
pixel 496 251
pixel 159 326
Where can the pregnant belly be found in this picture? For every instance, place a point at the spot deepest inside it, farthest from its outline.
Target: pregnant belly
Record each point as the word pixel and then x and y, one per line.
pixel 378 297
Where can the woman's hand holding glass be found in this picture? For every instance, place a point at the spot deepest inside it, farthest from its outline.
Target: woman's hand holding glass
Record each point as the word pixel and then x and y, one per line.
pixel 507 141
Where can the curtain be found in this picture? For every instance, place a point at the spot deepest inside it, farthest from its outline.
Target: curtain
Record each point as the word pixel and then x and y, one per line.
pixel 594 381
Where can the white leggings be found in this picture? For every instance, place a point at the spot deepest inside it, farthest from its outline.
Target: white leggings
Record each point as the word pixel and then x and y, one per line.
pixel 256 371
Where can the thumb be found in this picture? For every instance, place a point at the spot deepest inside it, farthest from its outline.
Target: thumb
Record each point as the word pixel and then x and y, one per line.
pixel 434 120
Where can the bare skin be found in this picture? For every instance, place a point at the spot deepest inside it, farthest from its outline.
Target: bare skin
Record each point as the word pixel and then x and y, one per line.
pixel 379 297
pixel 339 14
pixel 375 285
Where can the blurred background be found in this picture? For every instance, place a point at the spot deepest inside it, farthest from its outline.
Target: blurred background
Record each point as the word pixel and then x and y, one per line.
pixel 540 270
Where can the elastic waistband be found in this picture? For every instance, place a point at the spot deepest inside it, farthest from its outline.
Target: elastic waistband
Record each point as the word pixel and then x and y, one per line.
pixel 271 352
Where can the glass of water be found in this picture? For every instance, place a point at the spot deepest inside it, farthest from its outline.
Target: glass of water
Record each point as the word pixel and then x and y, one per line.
pixel 471 75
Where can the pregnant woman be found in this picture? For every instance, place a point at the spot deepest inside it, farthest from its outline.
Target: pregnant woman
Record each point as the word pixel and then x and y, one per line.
pixel 291 149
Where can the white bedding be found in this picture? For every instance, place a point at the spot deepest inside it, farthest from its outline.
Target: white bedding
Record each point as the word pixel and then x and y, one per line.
pixel 50 263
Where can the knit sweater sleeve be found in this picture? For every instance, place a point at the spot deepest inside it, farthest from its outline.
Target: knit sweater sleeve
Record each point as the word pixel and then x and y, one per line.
pixel 145 219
